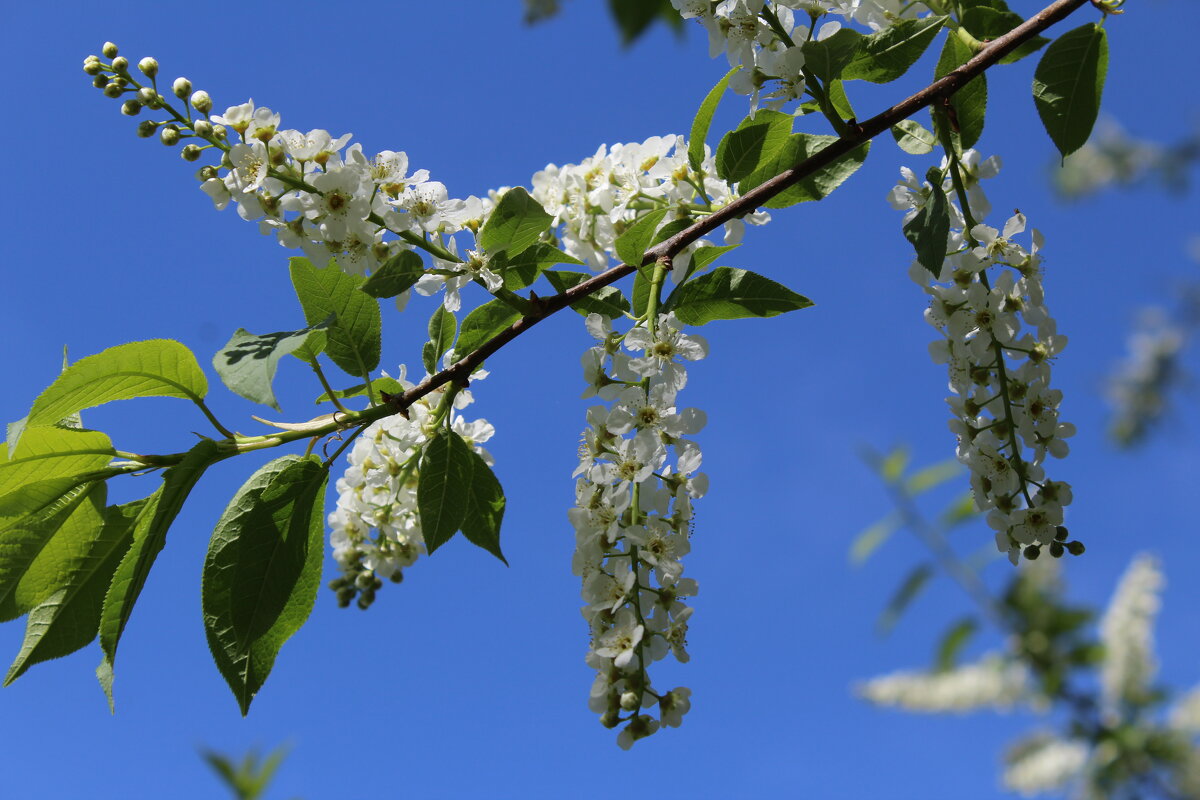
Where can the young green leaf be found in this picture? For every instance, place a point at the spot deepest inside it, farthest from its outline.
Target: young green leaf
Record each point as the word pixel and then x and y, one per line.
pixel 443 487
pixel 515 224
pixel 631 246
pixel 870 540
pixel 384 384
pixel 727 293
pixel 442 329
pixel 753 144
pixel 913 137
pixel 485 508
pixel 313 346
pixel 38 549
pixel 886 55
pixel 986 23
pixel 53 452
pixel 153 368
pixel 395 275
pixel 523 269
pixel 247 362
pixel 608 302
pixel 703 121
pixel 968 105
pixel 263 569
pixel 827 58
pixel 67 620
pixel 1068 84
pixel 706 254
pixel 634 17
pixel 916 580
pixel 929 230
pixel 353 338
pixel 482 324
pixel 149 536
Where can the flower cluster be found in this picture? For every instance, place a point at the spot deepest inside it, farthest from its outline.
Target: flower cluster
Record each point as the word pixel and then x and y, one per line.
pixel 1138 390
pixel 595 201
pixel 637 477
pixel 765 39
pixel 1127 632
pixel 1000 340
pixel 993 682
pixel 376 530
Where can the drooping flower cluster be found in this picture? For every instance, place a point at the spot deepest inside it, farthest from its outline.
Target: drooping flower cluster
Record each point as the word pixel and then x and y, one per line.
pixel 1000 340
pixel 765 39
pixel 375 528
pixel 1138 390
pixel 993 682
pixel 1127 632
pixel 637 477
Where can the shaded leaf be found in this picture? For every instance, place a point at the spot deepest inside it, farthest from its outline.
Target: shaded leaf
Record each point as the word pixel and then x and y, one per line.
pixel 395 276
pixel 1068 84
pixel 929 230
pixel 827 58
pixel 523 269
pixel 909 588
pixel 482 324
pixel 443 487
pixel 608 301
pixel 384 384
pixel 969 104
pixel 753 144
pixel 515 224
pixel 887 54
pixel 442 329
pixel 953 641
pixel 247 362
pixel 799 147
pixel 485 508
pixel 631 246
pixel 913 137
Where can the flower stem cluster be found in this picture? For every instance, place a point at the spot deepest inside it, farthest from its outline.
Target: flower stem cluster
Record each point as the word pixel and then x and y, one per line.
pixel 999 343
pixel 376 527
pixel 637 478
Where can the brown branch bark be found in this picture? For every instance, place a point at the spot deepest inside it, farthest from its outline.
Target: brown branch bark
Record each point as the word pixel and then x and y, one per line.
pixel 747 203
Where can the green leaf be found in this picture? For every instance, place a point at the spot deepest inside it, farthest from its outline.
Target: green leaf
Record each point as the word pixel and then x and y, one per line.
pixel 727 293
pixel 893 464
pixel 1068 83
pixel 353 338
pixel 820 184
pixel 969 104
pixel 953 642
pixel 263 569
pixel 153 368
pixel 608 301
pixel 933 475
pixel 13 433
pixel 703 121
pixel 53 452
pixel 442 328
pixel 839 100
pixel 313 346
pixel 443 487
pixel 515 224
pixel 827 58
pixel 886 55
pixel 384 384
pixel 913 137
pixel 929 230
pixel 634 17
pixel 706 254
pixel 960 511
pixel 909 588
pixel 39 549
pixel 753 144
pixel 394 276
pixel 482 324
pixel 631 246
pixel 67 620
pixel 870 540
pixel 986 23
pixel 149 536
pixel 523 269
pixel 247 362
pixel 485 508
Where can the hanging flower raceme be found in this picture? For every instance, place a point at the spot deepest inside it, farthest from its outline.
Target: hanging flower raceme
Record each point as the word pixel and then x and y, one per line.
pixel 1000 341
pixel 376 528
pixel 637 477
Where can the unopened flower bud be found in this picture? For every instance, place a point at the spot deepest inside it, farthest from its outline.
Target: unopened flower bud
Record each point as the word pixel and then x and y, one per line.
pixel 146 128
pixel 610 719
pixel 1056 549
pixel 182 87
pixel 190 152
pixel 92 65
pixel 1075 548
pixel 203 127
pixel 100 81
pixel 131 108
pixel 113 89
pixel 365 580
pixel 1032 552
pixel 169 135
pixel 219 131
pixel 109 50
pixel 207 173
pixel 201 101
pixel 629 701
pixel 345 596
pixel 148 97
pixel 1061 533
pixel 397 577
pixel 120 64
pixel 148 66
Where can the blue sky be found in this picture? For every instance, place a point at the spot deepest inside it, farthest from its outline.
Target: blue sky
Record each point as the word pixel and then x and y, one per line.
pixel 468 680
